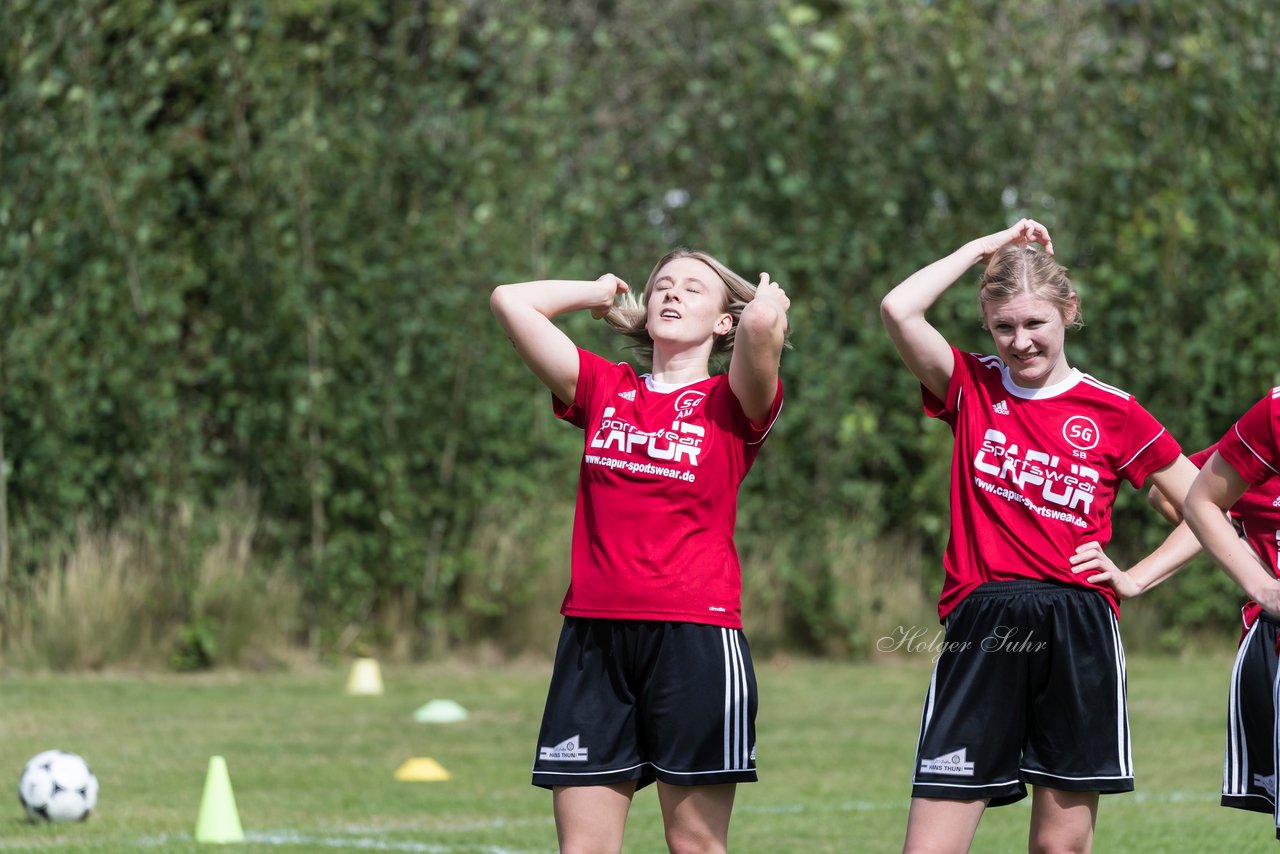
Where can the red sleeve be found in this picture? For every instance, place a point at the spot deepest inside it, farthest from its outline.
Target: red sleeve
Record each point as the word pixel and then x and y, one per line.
pixel 750 434
pixel 1150 447
pixel 756 433
pixel 1250 445
pixel 1199 458
pixel 946 410
pixel 590 368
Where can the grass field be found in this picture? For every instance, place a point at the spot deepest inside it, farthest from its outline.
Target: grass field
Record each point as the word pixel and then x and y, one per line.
pixel 312 767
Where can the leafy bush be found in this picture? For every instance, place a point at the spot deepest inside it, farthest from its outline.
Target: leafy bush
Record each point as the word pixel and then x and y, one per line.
pixel 251 243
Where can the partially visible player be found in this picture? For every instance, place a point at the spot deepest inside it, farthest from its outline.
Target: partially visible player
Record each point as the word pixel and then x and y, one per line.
pixel 653 677
pixel 1240 474
pixel 1256 518
pixel 1030 687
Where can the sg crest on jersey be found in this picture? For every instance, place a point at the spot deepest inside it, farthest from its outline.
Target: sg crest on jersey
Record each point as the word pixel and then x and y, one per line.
pixel 1082 433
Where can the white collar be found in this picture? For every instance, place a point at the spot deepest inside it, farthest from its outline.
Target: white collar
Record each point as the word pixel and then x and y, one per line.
pixel 665 388
pixel 1025 393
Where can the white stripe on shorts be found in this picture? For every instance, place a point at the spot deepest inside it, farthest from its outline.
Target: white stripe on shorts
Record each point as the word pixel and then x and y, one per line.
pixel 737 753
pixel 926 716
pixel 1275 744
pixel 1125 746
pixel 1235 760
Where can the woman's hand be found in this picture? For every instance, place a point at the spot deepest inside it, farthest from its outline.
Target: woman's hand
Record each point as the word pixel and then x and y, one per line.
pixel 611 287
pixel 1021 233
pixel 1090 557
pixel 1269 598
pixel 771 293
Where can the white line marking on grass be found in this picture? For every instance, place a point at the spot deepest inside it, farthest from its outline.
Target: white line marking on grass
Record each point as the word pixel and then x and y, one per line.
pixel 366 838
pixel 289 837
pixel 875 806
pixel 797 809
pixel 467 826
pixel 1175 797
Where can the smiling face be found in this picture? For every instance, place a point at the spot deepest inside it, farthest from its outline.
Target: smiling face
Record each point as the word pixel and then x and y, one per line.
pixel 687 305
pixel 1029 332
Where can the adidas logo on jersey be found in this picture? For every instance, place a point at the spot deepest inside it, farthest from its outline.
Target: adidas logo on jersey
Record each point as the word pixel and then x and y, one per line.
pixel 1276 503
pixel 952 763
pixel 1001 408
pixel 568 750
pixel 628 395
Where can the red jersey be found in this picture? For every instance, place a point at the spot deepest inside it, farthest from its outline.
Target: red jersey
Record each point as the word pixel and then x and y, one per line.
pixel 658 496
pixel 1034 472
pixel 1250 447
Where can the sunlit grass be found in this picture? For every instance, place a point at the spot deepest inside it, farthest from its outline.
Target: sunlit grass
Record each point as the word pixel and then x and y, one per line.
pixel 312 768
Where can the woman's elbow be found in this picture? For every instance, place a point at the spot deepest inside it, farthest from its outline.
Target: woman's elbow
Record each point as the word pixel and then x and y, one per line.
pixel 892 312
pixel 1162 505
pixel 1198 509
pixel 499 300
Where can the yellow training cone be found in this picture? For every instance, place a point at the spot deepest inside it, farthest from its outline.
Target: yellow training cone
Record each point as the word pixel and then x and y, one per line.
pixel 365 678
pixel 422 770
pixel 218 822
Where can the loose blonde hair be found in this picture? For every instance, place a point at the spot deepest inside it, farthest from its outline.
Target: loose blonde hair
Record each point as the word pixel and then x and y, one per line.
pixel 1016 270
pixel 630 314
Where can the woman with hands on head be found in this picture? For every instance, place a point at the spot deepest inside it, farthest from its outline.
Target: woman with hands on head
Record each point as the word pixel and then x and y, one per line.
pixel 1030 686
pixel 653 678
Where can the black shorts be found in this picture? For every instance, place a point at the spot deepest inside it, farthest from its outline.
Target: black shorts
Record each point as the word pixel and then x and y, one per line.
pixel 1249 764
pixel 643 700
pixel 1029 688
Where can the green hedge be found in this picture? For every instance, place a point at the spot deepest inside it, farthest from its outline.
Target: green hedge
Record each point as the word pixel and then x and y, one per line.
pixel 252 242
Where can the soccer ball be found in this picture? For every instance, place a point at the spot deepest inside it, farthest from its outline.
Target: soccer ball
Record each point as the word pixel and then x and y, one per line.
pixel 57 786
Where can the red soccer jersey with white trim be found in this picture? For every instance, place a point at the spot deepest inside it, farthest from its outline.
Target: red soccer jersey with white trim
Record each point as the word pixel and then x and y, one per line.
pixel 1250 447
pixel 1034 472
pixel 658 496
pixel 1256 515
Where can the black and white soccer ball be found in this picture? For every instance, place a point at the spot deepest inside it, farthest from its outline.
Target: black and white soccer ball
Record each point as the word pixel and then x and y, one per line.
pixel 57 786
